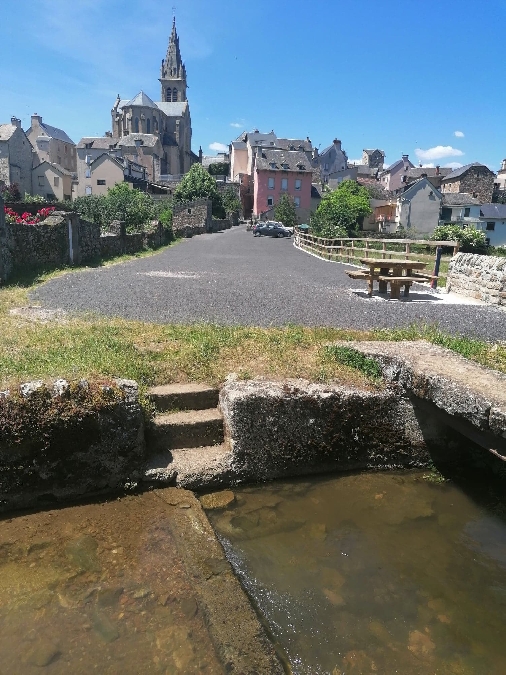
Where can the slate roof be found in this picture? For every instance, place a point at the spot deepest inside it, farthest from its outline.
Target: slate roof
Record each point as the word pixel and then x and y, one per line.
pixel 418 171
pixel 316 191
pixel 393 166
pixel 293 159
pixel 493 211
pixel 174 109
pixel 98 142
pixel 142 99
pixel 462 170
pixel 148 140
pixel 242 137
pixel 54 132
pixel 459 199
pixel 6 131
pixel 287 143
pixel 414 185
pixel 239 145
pixel 207 160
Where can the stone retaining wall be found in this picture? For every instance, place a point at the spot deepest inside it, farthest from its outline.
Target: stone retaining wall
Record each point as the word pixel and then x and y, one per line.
pixel 218 224
pixel 62 440
pixel 479 276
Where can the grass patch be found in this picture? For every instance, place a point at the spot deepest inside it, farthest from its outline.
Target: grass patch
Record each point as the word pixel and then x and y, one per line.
pixel 352 358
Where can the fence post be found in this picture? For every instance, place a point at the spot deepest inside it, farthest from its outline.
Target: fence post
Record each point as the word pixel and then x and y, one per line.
pixel 352 250
pixel 408 249
pixel 439 251
pixel 383 251
pixel 456 247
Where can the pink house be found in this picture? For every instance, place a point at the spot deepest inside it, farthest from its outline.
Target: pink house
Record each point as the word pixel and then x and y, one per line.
pixel 277 172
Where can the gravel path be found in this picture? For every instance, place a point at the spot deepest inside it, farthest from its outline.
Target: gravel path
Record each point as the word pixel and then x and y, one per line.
pixel 235 278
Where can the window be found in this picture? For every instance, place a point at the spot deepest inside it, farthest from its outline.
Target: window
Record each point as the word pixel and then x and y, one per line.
pixel 174 94
pixel 88 145
pixel 467 211
pixel 41 181
pixel 101 181
pixel 285 167
pixel 66 149
pixel 169 94
pixel 148 126
pixel 87 189
pixel 296 201
pixel 56 181
pixel 271 183
pixel 136 125
pixel 58 159
pixel 490 227
pixel 88 173
pixel 298 183
pixel 270 201
pixel 272 165
pixel 284 183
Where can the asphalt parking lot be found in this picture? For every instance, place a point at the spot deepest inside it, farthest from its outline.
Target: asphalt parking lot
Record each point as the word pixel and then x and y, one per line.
pixel 233 277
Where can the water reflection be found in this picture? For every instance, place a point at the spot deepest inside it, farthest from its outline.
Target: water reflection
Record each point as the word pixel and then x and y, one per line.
pixel 373 573
pixel 98 588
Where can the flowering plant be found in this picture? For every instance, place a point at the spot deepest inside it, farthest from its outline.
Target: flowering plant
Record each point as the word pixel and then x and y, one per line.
pixel 27 218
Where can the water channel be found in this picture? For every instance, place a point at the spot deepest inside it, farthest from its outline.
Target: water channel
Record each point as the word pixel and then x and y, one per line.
pixel 375 573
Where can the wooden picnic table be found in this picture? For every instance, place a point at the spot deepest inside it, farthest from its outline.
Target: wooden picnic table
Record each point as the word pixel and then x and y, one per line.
pixel 396 272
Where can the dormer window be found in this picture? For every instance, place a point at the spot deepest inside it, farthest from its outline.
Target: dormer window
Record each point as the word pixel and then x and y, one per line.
pixel 272 165
pixel 301 167
pixel 285 166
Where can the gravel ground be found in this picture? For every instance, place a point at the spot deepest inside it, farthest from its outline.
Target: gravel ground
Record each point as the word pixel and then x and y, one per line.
pixel 235 278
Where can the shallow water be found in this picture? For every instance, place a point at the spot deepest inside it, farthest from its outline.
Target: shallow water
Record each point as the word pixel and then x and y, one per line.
pixel 98 588
pixel 373 573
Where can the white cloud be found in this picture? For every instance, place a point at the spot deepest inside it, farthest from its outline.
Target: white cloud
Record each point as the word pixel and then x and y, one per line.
pixel 458 134
pixel 438 152
pixel 430 165
pixel 236 125
pixel 453 165
pixel 218 147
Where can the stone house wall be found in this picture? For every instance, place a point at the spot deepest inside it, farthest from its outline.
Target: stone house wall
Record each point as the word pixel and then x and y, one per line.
pixel 478 276
pixel 192 218
pixel 477 181
pixel 16 160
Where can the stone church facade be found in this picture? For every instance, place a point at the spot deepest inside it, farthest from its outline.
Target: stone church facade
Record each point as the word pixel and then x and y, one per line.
pixel 141 124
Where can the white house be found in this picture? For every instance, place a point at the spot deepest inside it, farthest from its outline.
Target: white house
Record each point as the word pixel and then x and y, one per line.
pixel 418 207
pixel 493 222
pixel 460 207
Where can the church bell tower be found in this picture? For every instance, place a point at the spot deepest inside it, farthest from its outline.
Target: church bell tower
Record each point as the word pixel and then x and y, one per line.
pixel 173 71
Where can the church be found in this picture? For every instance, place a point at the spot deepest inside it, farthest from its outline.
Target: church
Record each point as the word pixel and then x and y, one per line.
pixel 158 134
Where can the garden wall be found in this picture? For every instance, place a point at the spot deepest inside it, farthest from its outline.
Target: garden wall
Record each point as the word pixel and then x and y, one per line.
pixel 479 276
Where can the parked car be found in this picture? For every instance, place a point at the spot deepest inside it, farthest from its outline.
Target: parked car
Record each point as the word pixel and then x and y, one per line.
pixel 272 229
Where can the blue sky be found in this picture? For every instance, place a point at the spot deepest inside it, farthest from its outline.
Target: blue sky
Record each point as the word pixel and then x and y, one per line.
pixel 422 77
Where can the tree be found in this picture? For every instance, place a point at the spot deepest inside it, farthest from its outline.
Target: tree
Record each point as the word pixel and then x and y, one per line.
pixel 231 202
pixel 199 184
pixel 470 239
pixel 285 212
pixel 131 205
pixel 340 211
pixel 219 169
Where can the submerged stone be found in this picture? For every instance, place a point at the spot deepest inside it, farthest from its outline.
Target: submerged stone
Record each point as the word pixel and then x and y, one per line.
pixel 105 628
pixel 217 500
pixel 83 553
pixel 42 654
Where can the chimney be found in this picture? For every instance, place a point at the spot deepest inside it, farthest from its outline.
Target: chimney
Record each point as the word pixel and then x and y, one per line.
pixel 315 153
pixel 15 122
pixel 437 169
pixel 503 165
pixel 405 158
pixel 337 144
pixel 37 119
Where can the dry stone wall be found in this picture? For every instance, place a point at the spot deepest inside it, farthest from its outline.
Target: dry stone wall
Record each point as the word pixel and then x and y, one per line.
pixel 478 276
pixel 192 218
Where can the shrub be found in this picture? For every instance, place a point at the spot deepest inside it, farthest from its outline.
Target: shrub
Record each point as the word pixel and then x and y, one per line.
pixel 339 212
pixel 470 239
pixel 199 184
pixel 285 212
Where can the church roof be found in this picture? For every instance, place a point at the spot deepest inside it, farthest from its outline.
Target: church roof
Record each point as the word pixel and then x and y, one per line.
pixel 141 99
pixel 174 109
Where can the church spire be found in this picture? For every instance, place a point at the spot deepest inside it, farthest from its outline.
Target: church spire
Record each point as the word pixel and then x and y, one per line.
pixel 173 71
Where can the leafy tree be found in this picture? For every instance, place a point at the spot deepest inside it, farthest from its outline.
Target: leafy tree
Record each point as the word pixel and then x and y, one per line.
pixel 131 205
pixel 231 202
pixel 199 184
pixel 471 240
pixel 11 193
pixel 285 212
pixel 92 208
pixel 219 169
pixel 340 211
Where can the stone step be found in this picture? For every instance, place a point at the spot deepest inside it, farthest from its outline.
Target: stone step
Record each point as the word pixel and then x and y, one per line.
pixel 197 468
pixel 188 429
pixel 188 396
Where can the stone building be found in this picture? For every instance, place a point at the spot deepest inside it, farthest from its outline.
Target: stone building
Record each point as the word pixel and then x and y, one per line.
pixel 374 159
pixel 15 156
pixel 52 145
pixel 475 179
pixel 396 174
pixel 333 160
pixel 167 120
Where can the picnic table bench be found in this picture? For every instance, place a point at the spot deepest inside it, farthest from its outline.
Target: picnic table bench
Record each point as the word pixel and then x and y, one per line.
pixel 397 273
